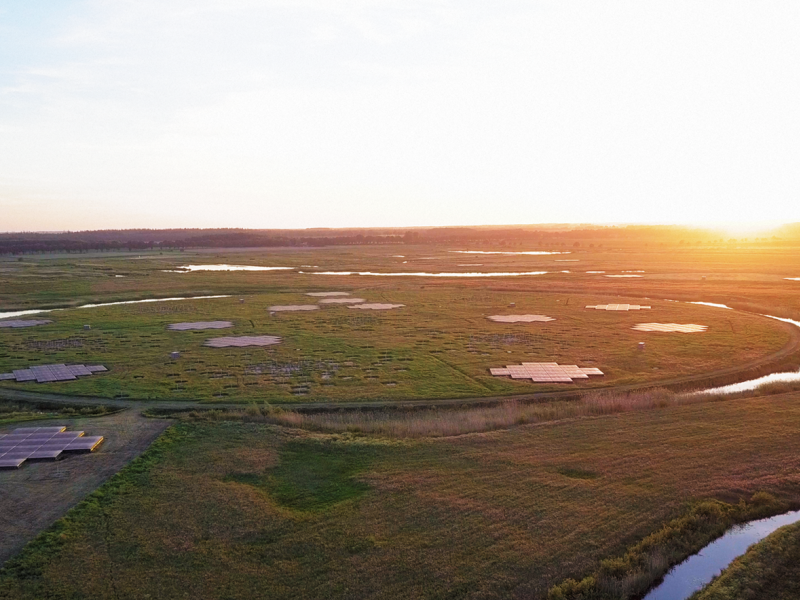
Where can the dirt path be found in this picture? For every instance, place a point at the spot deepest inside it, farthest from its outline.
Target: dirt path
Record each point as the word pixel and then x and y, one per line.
pixel 37 494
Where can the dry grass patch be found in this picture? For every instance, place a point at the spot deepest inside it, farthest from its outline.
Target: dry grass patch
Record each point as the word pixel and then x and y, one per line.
pixel 445 421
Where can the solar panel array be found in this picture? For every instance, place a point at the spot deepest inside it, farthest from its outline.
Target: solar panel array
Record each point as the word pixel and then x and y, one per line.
pixel 50 373
pixel 42 443
pixel 341 300
pixel 377 306
pixel 16 323
pixel 520 318
pixel 546 372
pixel 242 341
pixel 323 294
pixel 200 325
pixel 618 307
pixel 671 327
pixel 291 307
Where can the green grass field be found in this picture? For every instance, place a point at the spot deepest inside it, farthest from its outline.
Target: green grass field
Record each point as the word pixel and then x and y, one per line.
pixel 232 510
pixel 440 345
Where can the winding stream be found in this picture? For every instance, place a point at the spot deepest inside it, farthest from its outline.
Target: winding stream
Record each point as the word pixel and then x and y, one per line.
pixel 424 274
pixel 698 570
pixel 746 386
pixel 193 268
pixel 20 313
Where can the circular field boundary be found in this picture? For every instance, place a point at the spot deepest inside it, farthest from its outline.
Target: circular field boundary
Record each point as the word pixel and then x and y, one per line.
pixel 786 357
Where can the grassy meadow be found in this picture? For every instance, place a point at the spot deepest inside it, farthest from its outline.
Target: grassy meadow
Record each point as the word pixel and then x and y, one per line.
pixel 232 510
pixel 440 345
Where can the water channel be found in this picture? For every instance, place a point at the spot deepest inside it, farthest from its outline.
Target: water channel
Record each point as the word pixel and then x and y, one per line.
pixel 192 268
pixel 21 313
pixel 698 570
pixel 424 274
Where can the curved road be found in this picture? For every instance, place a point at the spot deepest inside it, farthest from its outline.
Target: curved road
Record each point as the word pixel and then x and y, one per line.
pixel 701 380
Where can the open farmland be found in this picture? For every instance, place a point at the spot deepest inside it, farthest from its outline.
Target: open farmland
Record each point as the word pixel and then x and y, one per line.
pixel 223 509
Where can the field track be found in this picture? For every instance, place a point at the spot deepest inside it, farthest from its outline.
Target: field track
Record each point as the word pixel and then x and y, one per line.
pixel 714 378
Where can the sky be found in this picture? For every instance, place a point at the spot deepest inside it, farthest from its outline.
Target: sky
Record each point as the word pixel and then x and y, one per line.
pixel 357 113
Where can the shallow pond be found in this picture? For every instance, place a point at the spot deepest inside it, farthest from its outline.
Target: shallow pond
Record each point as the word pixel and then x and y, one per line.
pixel 698 570
pixel 191 268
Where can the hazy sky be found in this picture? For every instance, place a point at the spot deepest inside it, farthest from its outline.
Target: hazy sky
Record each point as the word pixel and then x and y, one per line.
pixel 333 113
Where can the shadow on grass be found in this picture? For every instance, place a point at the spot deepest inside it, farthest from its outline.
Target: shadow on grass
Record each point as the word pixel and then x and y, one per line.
pixel 313 475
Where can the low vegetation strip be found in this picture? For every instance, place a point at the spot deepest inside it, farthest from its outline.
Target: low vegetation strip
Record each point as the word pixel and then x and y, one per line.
pixel 770 569
pixel 444 422
pixel 15 412
pixel 633 573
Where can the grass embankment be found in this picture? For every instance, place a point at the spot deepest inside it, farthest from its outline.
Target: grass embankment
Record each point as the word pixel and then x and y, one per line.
pixel 449 421
pixel 769 569
pixel 242 510
pixel 15 412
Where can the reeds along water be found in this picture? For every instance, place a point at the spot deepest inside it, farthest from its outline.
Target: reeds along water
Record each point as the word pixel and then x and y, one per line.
pixel 443 422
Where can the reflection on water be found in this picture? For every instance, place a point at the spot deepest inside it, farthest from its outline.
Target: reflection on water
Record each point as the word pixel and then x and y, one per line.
pixel 712 304
pixel 530 253
pixel 190 268
pixel 792 321
pixel 792 278
pixel 19 313
pixel 423 274
pixel 149 300
pixel 697 571
pixel 746 386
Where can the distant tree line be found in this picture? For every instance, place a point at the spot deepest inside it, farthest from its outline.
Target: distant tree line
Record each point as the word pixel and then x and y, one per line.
pixel 488 237
pixel 44 243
